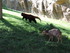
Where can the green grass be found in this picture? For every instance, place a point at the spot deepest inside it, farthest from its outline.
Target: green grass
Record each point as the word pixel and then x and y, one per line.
pixel 20 36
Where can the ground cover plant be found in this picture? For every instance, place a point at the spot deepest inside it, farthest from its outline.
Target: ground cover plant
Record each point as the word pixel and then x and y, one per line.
pixel 20 36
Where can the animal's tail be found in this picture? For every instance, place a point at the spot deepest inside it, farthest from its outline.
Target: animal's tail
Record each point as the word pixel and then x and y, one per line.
pixel 38 18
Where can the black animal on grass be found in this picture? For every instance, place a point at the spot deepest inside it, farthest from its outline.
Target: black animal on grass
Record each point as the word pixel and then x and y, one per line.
pixel 29 17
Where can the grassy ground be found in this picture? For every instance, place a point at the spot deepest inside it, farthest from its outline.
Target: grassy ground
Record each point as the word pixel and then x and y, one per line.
pixel 20 36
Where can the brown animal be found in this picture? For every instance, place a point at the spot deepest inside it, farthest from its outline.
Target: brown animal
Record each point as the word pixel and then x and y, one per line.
pixel 29 17
pixel 53 32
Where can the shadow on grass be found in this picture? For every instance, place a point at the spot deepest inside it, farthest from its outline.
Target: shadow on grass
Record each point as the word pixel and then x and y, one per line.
pixel 16 29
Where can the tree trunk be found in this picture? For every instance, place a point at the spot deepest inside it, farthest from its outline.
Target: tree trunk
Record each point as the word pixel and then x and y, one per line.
pixel 0 8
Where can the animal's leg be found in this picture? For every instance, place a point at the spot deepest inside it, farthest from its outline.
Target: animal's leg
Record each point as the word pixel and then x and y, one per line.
pixel 61 39
pixel 34 21
pixel 58 39
pixel 50 38
pixel 30 20
pixel 23 18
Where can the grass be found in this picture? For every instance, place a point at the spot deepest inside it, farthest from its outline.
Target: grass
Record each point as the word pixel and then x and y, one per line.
pixel 20 36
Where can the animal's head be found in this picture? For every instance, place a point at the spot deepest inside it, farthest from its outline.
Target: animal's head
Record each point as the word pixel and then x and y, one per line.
pixel 22 14
pixel 45 32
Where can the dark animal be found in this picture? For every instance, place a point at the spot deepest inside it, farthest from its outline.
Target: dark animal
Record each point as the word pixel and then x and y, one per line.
pixel 53 32
pixel 29 17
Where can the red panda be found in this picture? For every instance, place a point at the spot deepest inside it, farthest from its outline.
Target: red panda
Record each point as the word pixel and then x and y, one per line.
pixel 29 17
